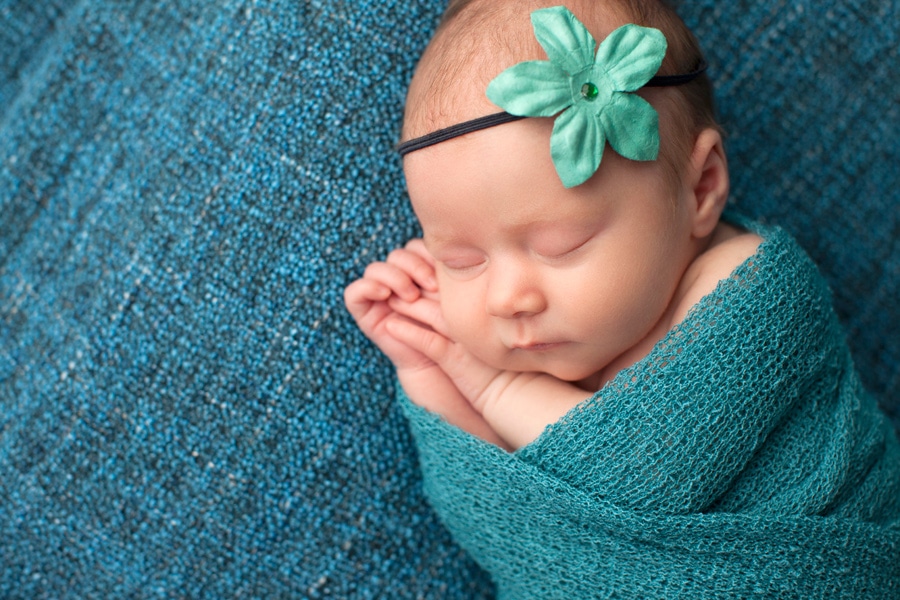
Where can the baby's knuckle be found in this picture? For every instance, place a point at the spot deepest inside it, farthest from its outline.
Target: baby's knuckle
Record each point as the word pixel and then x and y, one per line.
pixel 372 269
pixel 396 254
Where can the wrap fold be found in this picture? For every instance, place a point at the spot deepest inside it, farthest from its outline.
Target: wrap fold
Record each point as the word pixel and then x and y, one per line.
pixel 740 458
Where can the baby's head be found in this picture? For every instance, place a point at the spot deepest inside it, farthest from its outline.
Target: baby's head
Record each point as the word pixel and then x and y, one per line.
pixel 477 39
pixel 533 275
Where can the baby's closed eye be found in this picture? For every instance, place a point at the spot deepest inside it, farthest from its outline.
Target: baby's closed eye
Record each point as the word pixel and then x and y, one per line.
pixel 461 263
pixel 561 247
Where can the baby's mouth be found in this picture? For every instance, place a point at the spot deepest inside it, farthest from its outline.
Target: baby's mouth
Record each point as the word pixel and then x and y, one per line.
pixel 537 346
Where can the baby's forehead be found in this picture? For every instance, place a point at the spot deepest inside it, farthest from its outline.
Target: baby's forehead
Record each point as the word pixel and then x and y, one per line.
pixel 503 179
pixel 474 47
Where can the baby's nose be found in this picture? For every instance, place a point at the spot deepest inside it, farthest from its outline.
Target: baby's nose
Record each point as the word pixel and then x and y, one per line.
pixel 513 293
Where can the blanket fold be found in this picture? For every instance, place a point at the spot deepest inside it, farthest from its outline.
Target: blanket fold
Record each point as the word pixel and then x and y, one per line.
pixel 742 457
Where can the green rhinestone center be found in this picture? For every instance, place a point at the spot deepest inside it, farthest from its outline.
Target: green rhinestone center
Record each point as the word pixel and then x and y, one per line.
pixel 589 91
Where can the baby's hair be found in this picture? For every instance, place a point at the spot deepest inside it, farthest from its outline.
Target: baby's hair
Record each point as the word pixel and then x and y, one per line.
pixel 473 43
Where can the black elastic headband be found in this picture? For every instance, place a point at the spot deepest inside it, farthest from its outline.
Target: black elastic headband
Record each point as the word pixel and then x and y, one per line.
pixel 447 133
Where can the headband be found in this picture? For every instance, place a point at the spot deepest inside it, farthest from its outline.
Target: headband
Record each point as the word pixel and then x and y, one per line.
pixel 592 96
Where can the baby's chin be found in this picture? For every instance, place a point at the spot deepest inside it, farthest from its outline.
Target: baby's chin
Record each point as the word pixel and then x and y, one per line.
pixel 587 377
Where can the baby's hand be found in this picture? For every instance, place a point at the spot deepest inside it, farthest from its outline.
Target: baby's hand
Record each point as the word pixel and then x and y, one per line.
pixel 517 406
pixel 424 330
pixel 408 277
pixel 407 274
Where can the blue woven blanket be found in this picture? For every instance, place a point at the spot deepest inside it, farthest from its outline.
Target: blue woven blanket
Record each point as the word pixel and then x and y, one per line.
pixel 186 186
pixel 740 458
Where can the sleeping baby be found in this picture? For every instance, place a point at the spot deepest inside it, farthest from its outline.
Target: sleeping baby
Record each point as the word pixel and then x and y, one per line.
pixel 615 389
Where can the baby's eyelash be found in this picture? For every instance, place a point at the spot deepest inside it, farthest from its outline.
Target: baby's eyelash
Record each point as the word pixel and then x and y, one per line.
pixel 461 266
pixel 565 253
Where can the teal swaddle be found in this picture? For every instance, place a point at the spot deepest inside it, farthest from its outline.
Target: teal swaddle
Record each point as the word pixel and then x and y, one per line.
pixel 742 457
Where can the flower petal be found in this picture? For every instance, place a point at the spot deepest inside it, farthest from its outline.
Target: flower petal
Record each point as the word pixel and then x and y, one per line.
pixel 576 146
pixel 534 88
pixel 631 55
pixel 631 125
pixel 567 42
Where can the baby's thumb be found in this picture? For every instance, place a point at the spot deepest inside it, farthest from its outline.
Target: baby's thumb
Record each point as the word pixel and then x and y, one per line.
pixel 419 338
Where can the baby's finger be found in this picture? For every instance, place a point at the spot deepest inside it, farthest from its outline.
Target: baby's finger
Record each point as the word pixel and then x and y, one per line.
pixel 414 265
pixel 395 278
pixel 359 296
pixel 417 246
pixel 364 291
pixel 423 310
pixel 430 343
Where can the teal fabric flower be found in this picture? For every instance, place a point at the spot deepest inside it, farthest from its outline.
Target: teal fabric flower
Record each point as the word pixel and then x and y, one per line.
pixel 592 94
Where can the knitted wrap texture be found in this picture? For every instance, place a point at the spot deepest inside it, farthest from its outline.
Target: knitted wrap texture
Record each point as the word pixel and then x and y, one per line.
pixel 185 189
pixel 186 409
pixel 740 458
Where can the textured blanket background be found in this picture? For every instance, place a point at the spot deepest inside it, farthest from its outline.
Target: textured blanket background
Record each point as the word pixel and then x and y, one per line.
pixel 186 187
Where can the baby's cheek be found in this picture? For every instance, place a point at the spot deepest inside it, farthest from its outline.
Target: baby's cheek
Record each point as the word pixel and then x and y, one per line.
pixel 452 318
pixel 458 313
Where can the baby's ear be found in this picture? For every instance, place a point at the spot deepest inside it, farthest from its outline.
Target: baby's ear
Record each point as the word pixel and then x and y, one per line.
pixel 707 181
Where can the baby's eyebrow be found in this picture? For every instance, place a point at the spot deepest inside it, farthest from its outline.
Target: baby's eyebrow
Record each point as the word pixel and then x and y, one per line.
pixel 447 248
pixel 428 240
pixel 434 243
pixel 575 224
pixel 438 240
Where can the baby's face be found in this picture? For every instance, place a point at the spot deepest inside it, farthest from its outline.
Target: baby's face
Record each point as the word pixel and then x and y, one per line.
pixel 536 277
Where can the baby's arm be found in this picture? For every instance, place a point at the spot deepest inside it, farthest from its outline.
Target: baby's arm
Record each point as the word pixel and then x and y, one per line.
pixel 407 275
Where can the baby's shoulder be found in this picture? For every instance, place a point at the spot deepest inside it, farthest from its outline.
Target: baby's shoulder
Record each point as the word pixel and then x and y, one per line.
pixel 729 247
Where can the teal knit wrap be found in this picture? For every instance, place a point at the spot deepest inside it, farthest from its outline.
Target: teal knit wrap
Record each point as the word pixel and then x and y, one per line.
pixel 741 458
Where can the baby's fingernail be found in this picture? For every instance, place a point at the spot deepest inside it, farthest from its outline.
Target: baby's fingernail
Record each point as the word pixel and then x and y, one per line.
pixel 412 293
